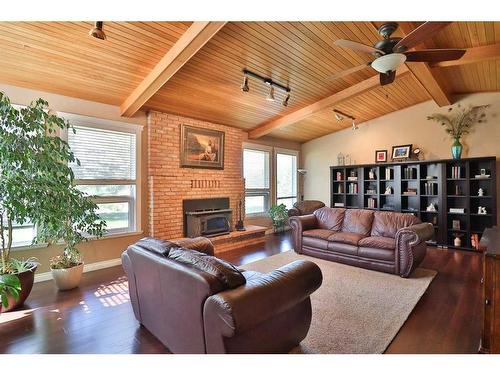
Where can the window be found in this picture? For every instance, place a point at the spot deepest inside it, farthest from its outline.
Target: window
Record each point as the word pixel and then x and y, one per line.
pixel 108 169
pixel 22 234
pixel 286 178
pixel 256 171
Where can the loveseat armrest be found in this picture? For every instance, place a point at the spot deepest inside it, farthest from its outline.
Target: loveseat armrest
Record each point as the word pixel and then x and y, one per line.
pixel 411 247
pixel 262 298
pixel 201 244
pixel 298 225
pixel 293 212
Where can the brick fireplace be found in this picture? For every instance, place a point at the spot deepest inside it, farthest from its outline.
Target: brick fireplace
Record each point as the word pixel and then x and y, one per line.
pixel 169 184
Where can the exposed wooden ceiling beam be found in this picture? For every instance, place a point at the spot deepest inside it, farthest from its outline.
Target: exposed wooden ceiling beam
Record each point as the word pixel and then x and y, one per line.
pixel 194 38
pixel 474 55
pixel 431 80
pixel 320 105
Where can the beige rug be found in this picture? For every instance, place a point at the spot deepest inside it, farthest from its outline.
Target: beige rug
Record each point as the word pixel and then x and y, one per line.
pixel 355 310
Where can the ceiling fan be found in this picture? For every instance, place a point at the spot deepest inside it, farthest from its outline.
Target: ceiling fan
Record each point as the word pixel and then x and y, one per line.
pixel 390 53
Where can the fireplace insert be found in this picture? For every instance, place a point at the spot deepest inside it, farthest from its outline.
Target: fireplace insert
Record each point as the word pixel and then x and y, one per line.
pixel 207 217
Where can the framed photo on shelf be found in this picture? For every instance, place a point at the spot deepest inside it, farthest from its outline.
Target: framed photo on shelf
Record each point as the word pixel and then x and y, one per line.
pixel 380 156
pixel 201 148
pixel 401 152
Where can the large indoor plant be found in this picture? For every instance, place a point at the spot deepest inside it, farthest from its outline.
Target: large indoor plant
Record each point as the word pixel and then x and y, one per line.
pixel 279 215
pixel 37 186
pixel 459 122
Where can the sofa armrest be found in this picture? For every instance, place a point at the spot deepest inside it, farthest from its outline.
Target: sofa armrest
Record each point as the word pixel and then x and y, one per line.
pixel 260 299
pixel 201 244
pixel 293 212
pixel 411 247
pixel 298 225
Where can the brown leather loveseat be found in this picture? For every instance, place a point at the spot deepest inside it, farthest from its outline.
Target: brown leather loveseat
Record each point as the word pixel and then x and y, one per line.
pixel 304 207
pixel 383 241
pixel 196 303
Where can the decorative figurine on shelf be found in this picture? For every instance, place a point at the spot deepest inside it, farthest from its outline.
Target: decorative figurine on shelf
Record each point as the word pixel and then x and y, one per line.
pixel 480 192
pixel 431 208
pixel 457 242
pixel 340 159
pixel 388 190
pixel 347 159
pixel 481 210
pixel 371 174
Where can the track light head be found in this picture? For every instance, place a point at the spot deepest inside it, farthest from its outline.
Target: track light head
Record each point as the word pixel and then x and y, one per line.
pixel 244 86
pixel 354 126
pixel 270 95
pixel 285 101
pixel 97 31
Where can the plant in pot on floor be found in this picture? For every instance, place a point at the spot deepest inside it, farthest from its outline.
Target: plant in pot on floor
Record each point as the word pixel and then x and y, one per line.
pixel 37 187
pixel 279 216
pixel 459 123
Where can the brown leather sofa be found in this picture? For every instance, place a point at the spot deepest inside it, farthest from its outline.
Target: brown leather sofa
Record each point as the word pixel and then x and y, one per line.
pixel 196 303
pixel 383 241
pixel 305 207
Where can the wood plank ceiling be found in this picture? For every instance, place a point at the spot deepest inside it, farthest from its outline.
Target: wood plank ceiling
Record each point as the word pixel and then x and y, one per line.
pixel 60 57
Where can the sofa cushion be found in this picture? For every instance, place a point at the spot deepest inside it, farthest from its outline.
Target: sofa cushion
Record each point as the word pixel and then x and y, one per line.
pixel 227 274
pixel 358 221
pixel 314 242
pixel 386 224
pixel 378 242
pixel 156 246
pixel 330 218
pixel 346 237
pixel 318 233
pixel 343 248
pixel 376 253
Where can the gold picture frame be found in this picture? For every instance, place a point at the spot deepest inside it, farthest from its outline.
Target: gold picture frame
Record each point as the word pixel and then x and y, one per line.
pixel 201 148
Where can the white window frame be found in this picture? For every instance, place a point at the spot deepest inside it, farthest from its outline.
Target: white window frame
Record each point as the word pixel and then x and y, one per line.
pixel 135 204
pixel 285 151
pixel 258 192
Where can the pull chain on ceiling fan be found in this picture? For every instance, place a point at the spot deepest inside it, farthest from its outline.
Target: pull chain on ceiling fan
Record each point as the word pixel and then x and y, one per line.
pixel 390 53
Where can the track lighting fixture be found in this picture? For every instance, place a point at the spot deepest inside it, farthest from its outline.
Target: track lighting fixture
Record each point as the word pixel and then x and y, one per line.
pixel 268 81
pixel 270 95
pixel 338 117
pixel 354 126
pixel 97 31
pixel 244 86
pixel 285 101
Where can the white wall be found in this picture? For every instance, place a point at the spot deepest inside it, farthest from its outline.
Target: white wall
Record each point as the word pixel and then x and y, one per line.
pixel 402 127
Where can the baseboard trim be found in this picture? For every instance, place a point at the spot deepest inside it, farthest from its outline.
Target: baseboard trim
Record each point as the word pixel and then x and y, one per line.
pixel 45 276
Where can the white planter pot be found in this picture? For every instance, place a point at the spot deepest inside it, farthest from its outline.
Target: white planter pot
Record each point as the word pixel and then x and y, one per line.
pixel 67 278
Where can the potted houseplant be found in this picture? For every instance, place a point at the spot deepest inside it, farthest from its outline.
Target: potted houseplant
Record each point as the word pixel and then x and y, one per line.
pixel 458 123
pixel 279 215
pixel 37 186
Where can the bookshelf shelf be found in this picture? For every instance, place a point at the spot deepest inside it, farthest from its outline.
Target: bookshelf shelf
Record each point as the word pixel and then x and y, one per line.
pixel 453 185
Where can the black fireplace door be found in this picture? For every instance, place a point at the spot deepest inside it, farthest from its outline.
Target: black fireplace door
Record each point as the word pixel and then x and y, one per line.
pixel 215 224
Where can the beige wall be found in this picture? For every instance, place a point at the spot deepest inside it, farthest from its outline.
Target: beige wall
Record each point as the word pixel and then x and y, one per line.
pixel 98 250
pixel 403 127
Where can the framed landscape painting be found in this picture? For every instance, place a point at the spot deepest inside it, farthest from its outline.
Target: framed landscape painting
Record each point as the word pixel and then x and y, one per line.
pixel 201 148
pixel 401 152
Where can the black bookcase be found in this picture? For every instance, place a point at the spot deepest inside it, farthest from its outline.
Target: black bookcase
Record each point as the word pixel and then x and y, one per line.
pixel 442 192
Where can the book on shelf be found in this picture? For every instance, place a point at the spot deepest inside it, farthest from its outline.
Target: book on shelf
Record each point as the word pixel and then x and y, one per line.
pixel 454 210
pixel 430 188
pixel 338 204
pixel 353 188
pixel 410 191
pixel 352 178
pixel 389 173
pixel 371 191
pixel 456 171
pixel 372 203
pixel 409 173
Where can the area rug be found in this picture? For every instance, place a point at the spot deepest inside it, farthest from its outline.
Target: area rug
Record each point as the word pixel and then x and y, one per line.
pixel 355 310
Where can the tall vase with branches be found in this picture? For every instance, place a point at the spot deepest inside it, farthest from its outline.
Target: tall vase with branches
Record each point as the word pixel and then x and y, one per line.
pixel 37 185
pixel 459 122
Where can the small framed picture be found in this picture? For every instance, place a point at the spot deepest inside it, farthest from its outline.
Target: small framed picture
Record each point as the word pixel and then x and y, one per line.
pixel 483 172
pixel 456 224
pixel 401 152
pixel 381 156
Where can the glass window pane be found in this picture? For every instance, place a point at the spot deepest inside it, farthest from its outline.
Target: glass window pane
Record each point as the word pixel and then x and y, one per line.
pixel 115 214
pixel 256 169
pixel 286 175
pixel 23 234
pixel 255 204
pixel 288 202
pixel 108 190
pixel 103 154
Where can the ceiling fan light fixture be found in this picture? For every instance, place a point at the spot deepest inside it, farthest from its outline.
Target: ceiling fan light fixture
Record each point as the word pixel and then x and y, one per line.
pixel 270 95
pixel 244 86
pixel 388 63
pixel 97 31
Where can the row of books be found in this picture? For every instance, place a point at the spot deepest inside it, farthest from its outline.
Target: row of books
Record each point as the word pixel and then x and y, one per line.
pixel 456 171
pixel 409 173
pixel 430 188
pixel 372 203
pixel 352 188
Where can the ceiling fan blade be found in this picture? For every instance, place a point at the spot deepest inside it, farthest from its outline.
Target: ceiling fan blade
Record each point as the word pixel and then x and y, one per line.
pixel 347 72
pixel 386 78
pixel 424 31
pixel 434 55
pixel 357 46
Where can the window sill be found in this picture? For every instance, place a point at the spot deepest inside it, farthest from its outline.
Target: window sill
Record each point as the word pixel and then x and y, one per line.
pixel 109 236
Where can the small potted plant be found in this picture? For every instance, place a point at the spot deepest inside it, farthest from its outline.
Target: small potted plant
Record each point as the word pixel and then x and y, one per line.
pixel 459 123
pixel 279 215
pixel 37 186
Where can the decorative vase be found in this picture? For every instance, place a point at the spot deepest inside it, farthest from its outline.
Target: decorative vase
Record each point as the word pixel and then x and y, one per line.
pixel 67 278
pixel 456 149
pixel 457 242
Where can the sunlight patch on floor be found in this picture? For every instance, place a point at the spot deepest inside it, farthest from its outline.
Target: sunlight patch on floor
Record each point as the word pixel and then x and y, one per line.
pixel 114 293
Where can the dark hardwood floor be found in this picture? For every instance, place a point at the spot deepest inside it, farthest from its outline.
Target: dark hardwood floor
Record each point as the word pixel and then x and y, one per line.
pixel 98 318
